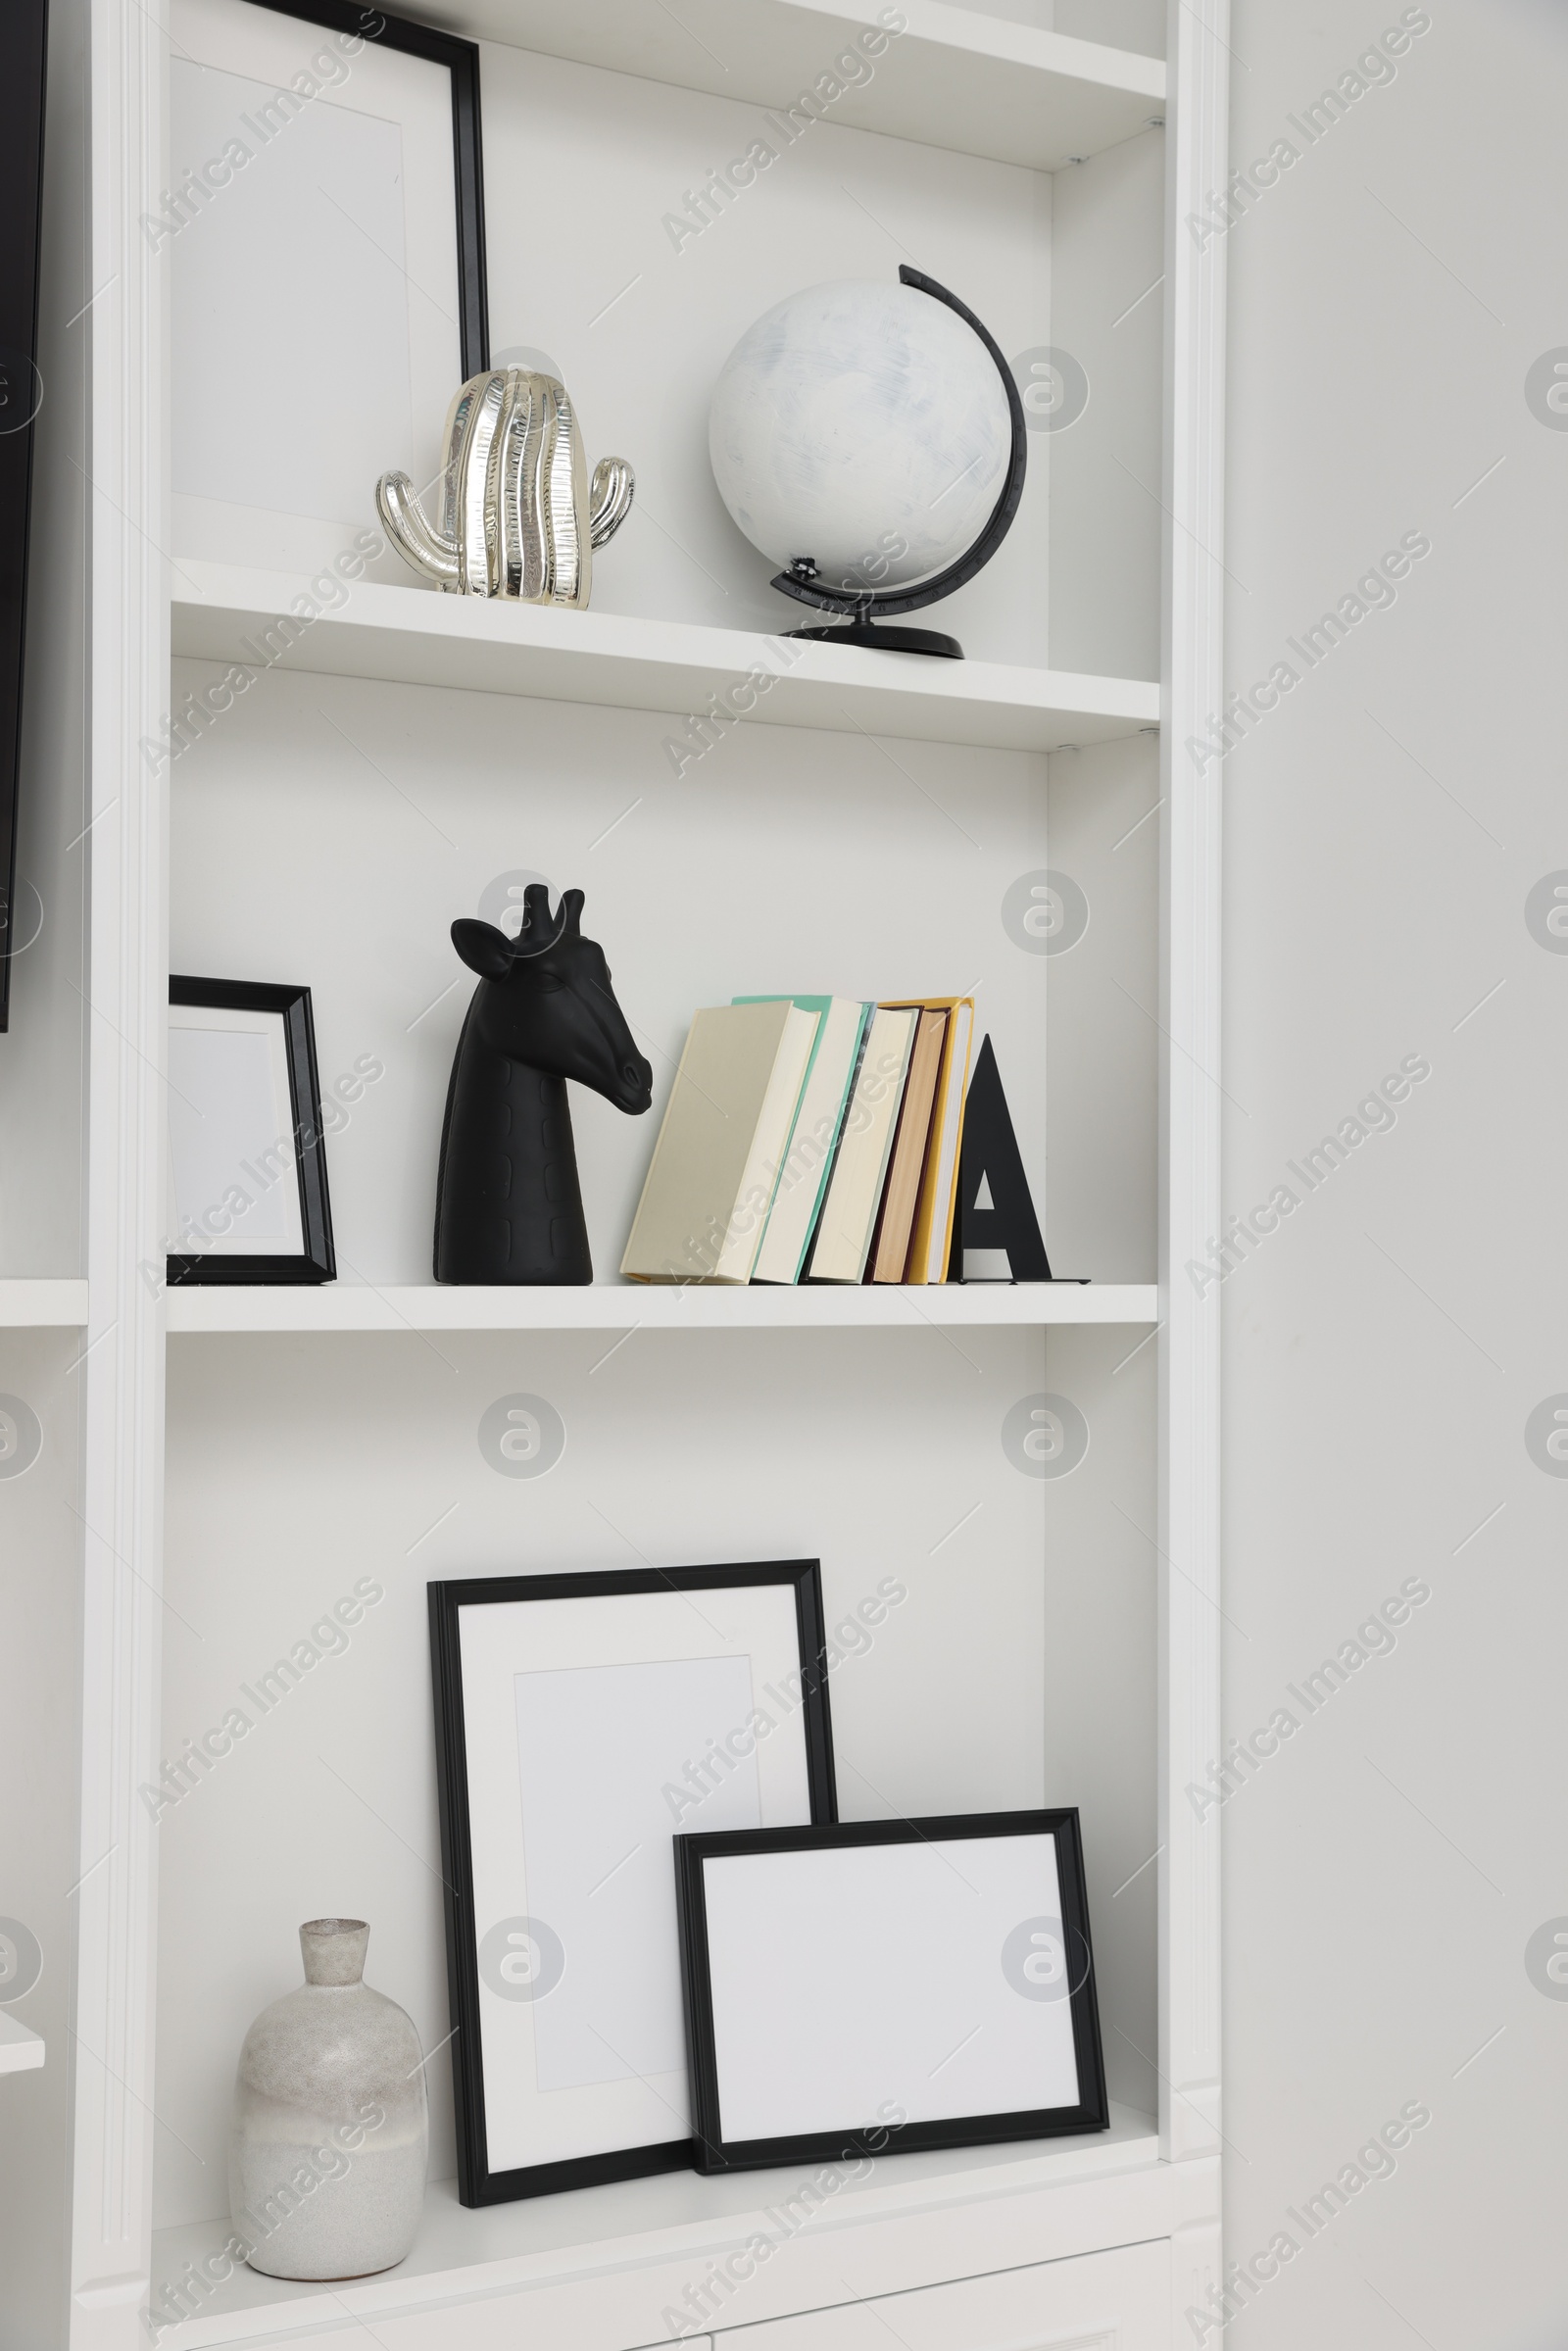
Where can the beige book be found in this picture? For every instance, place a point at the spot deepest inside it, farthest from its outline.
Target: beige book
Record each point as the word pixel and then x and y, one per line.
pixel 890 1251
pixel 716 1163
pixel 855 1190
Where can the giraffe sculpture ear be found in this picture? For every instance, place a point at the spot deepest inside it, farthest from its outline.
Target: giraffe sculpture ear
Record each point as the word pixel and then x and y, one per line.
pixel 484 948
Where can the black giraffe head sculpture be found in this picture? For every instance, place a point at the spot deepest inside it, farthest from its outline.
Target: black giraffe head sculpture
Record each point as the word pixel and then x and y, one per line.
pixel 508 1206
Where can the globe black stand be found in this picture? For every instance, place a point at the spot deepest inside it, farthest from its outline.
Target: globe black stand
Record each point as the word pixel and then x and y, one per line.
pixel 885 640
pixel 864 609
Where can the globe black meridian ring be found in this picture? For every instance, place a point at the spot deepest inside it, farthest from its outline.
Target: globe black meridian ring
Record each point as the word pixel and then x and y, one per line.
pixel 861 607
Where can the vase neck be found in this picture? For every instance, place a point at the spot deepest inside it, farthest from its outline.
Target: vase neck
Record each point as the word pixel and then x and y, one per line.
pixel 333 1950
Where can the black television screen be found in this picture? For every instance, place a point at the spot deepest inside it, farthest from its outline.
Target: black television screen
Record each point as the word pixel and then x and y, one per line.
pixel 23 25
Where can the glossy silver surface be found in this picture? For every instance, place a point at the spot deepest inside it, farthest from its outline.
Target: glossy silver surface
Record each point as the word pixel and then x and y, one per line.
pixel 518 518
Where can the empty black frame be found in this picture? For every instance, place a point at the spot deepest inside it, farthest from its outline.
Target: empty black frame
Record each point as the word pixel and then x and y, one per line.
pixel 861 2135
pixel 318 1263
pixel 478 2185
pixel 23 47
pixel 462 59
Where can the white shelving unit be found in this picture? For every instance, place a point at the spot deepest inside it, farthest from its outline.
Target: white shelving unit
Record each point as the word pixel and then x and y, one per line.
pixel 969 82
pixel 40 1305
pixel 220 1484
pixel 584 2268
pixel 391 634
pixel 21 2049
pixel 625 1306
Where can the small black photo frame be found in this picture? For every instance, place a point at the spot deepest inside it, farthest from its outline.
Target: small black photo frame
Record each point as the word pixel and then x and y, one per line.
pixel 898 1985
pixel 580 1721
pixel 246 1162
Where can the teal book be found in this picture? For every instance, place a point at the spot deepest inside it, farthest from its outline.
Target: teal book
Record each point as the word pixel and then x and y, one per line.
pixel 813 1141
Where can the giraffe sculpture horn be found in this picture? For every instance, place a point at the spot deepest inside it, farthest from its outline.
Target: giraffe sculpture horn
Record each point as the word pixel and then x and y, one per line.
pixel 518 517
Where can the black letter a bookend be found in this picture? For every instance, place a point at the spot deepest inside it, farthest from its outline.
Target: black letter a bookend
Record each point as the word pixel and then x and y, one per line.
pixel 995 1210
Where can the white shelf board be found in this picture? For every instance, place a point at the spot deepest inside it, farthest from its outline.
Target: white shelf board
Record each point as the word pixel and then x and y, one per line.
pixel 20 2048
pixel 460 2255
pixel 42 1305
pixel 982 85
pixel 411 637
pixel 631 1307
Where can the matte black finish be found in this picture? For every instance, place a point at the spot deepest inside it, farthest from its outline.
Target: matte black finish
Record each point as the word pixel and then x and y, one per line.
pixel 989 1153
pixel 716 2154
pixel 319 1263
pixel 23 55
pixel 886 640
pixel 462 59
pixel 864 607
pixel 476 2182
pixel 508 1205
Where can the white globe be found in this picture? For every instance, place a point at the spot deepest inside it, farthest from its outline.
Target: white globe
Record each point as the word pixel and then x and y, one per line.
pixel 864 425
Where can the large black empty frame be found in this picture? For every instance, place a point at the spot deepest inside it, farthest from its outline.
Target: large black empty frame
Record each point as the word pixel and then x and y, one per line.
pixel 581 1720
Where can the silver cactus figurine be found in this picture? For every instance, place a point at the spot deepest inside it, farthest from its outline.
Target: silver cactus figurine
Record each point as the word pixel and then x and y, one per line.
pixel 516 517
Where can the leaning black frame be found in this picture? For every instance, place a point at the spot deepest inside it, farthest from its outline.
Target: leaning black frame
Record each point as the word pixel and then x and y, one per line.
pixel 478 2185
pixel 462 59
pixel 716 2154
pixel 319 1262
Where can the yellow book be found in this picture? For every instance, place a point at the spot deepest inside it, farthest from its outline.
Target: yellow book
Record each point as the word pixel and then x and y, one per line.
pixel 939 1185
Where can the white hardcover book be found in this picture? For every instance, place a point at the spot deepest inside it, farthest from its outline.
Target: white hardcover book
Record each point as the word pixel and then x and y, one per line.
pixel 855 1193
pixel 764 1163
pixel 707 1193
pixel 809 1160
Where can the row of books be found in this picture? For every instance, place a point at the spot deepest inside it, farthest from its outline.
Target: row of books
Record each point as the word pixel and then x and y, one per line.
pixel 809 1139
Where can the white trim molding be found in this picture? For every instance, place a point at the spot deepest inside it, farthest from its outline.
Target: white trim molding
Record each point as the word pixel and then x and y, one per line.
pixel 1197 147
pixel 121 1367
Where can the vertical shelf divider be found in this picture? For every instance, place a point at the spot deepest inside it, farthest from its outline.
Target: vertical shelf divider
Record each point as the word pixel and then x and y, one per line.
pixel 120 1363
pixel 1196 151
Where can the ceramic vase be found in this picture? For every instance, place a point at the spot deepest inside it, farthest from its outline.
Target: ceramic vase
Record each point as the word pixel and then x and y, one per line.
pixel 331 2128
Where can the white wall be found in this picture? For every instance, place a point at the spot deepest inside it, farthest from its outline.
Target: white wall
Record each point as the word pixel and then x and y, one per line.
pixel 1386 1869
pixel 1138 25
pixel 1106 311
pixel 40 1636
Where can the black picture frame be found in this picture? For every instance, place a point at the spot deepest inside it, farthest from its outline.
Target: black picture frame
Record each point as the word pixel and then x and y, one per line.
pixel 462 59
pixel 317 1261
pixel 478 2185
pixel 717 2155
pixel 23 61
